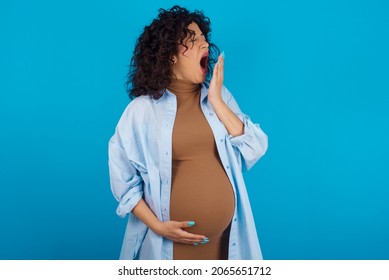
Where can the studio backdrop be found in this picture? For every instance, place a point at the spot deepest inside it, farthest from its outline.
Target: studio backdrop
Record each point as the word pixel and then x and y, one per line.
pixel 313 74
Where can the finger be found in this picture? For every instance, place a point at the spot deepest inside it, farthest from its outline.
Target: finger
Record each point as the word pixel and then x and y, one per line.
pixel 218 59
pixel 183 238
pixel 221 57
pixel 192 241
pixel 221 70
pixel 214 74
pixel 214 69
pixel 187 235
pixel 221 64
pixel 186 224
pixel 184 241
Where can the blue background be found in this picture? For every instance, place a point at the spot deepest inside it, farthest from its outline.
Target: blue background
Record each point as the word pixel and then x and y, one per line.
pixel 314 74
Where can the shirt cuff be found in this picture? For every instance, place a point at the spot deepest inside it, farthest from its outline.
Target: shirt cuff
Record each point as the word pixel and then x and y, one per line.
pixel 124 208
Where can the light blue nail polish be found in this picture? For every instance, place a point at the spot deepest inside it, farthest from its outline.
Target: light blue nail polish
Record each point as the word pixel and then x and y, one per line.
pixel 195 244
pixel 203 242
pixel 206 239
pixel 223 54
pixel 191 223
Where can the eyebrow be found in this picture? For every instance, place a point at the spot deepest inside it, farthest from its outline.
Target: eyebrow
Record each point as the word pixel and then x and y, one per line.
pixel 194 32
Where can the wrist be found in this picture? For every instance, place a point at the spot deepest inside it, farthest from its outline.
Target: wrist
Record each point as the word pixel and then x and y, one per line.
pixel 216 101
pixel 157 227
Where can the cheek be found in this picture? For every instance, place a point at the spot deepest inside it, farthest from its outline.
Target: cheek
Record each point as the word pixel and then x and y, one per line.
pixel 187 52
pixel 181 49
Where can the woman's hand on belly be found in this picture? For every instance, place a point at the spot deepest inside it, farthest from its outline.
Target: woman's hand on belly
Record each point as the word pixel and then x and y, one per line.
pixel 171 230
pixel 175 231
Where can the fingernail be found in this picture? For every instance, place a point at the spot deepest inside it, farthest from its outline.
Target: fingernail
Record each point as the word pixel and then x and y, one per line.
pixel 222 54
pixel 195 244
pixel 206 239
pixel 191 223
pixel 203 242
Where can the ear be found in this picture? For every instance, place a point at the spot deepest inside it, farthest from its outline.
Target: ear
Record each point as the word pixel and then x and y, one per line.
pixel 174 59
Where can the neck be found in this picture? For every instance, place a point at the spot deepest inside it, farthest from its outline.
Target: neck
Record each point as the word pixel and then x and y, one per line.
pixel 178 86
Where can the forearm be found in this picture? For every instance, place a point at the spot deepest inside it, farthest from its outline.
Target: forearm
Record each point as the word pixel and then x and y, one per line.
pixel 143 212
pixel 231 121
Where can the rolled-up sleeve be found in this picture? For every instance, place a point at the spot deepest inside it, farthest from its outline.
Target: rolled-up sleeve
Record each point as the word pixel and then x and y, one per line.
pixel 253 143
pixel 126 182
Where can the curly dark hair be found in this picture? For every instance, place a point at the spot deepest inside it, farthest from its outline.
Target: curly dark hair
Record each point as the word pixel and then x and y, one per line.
pixel 151 64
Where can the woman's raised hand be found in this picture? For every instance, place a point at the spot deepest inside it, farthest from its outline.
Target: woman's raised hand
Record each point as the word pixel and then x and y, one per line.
pixel 216 84
pixel 175 231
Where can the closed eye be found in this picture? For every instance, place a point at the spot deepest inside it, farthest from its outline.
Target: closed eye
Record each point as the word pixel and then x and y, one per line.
pixel 198 38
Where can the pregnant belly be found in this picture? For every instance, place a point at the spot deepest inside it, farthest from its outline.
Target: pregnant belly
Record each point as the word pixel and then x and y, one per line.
pixel 202 194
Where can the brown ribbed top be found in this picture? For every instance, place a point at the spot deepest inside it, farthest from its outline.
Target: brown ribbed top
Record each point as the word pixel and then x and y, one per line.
pixel 201 190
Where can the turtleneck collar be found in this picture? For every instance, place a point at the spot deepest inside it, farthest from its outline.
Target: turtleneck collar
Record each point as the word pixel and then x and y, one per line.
pixel 183 87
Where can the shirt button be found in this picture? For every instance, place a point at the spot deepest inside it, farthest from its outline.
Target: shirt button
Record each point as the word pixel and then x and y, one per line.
pixel 221 140
pixel 211 114
pixel 227 167
pixel 167 153
pixel 234 244
pixel 234 219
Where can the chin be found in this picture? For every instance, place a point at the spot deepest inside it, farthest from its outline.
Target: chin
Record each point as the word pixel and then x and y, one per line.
pixel 201 80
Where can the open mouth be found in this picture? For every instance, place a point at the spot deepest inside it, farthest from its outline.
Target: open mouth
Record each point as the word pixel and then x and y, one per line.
pixel 204 63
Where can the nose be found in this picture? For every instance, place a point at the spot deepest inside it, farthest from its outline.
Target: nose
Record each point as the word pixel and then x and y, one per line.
pixel 205 45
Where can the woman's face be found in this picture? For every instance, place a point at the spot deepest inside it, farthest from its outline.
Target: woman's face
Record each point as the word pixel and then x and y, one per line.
pixel 192 64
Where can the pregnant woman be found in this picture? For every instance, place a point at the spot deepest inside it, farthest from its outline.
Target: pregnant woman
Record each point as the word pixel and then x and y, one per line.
pixel 179 149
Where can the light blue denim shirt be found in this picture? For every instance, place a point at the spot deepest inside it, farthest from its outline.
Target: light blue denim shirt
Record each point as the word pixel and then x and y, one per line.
pixel 140 165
